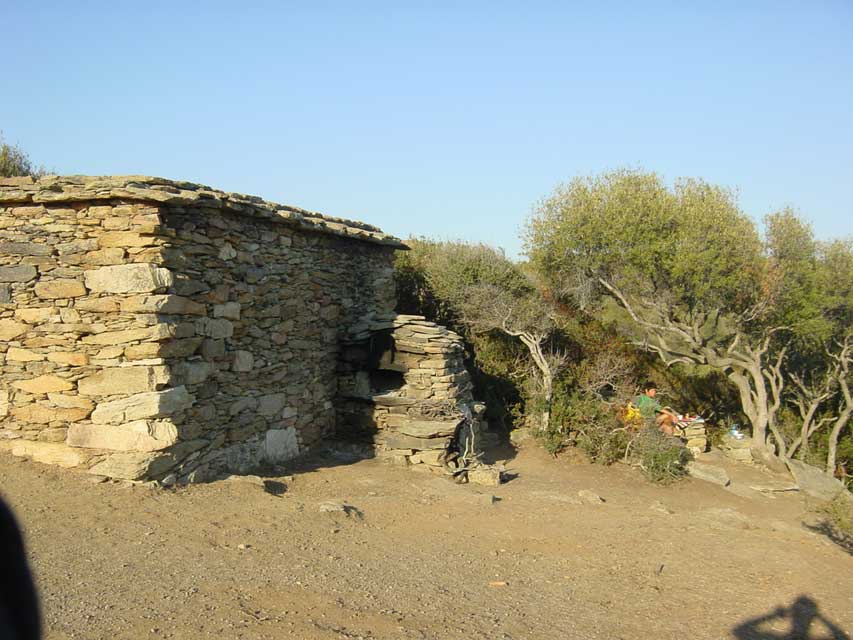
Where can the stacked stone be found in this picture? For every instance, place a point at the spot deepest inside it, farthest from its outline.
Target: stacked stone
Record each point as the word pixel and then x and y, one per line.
pixel 430 418
pixel 151 329
pixel 696 436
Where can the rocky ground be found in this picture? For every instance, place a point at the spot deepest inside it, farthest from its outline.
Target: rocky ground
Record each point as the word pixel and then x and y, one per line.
pixel 367 550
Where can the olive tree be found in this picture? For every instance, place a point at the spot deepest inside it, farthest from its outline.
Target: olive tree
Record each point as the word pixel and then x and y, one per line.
pixel 15 162
pixel 690 271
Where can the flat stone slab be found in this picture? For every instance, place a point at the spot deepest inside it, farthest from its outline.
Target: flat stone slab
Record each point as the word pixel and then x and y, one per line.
pixel 708 473
pixel 429 429
pixel 401 441
pixel 815 482
pixel 47 452
pixel 392 401
pixel 772 487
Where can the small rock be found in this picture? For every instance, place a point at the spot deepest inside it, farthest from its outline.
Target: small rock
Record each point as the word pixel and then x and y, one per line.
pixel 248 479
pixel 486 476
pixel 590 497
pixel 339 507
pixel 275 488
pixel 498 583
pixel 243 547
pixel 661 507
pixel 169 480
pixel 98 479
pixel 330 507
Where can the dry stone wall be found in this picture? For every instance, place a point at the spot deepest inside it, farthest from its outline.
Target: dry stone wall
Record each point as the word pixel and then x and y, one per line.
pixel 405 391
pixel 152 329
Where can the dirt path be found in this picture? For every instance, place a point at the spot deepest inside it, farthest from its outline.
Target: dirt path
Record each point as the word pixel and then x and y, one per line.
pixel 421 557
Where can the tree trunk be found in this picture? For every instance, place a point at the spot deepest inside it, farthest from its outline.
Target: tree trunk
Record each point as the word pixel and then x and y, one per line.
pixel 534 345
pixel 753 400
pixel 803 441
pixel 839 425
pixel 774 377
pixel 548 389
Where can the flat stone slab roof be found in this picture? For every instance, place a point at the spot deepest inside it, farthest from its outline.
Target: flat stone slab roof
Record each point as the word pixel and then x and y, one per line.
pixel 23 191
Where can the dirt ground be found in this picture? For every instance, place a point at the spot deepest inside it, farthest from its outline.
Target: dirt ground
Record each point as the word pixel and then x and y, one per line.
pixel 419 557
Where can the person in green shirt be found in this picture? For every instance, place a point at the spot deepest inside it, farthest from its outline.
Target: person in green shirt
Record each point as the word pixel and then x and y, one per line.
pixel 653 412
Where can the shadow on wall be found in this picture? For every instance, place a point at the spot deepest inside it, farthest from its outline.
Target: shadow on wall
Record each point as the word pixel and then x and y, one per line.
pixel 801 621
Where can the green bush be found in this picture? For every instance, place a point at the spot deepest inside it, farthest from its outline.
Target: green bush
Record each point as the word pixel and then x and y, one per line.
pixel 594 426
pixel 552 441
pixel 603 443
pixel 661 457
pixel 14 161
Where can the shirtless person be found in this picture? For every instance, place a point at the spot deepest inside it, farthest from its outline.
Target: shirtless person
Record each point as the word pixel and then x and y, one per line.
pixel 651 410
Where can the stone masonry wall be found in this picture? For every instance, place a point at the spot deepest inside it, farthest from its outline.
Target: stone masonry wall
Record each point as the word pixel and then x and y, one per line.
pixel 404 390
pixel 151 329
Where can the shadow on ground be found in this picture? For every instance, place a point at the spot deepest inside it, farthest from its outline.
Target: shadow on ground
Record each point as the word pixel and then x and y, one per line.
pixel 801 621
pixel 825 528
pixel 341 452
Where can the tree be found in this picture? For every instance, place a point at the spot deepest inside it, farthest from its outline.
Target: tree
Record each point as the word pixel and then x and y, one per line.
pixel 477 288
pixel 819 360
pixel 690 271
pixel 843 365
pixel 522 313
pixel 15 162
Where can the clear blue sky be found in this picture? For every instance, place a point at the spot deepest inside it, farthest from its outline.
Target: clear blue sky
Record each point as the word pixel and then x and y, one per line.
pixel 442 119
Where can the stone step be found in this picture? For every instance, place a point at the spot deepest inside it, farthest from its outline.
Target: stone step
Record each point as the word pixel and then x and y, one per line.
pixel 392 401
pixel 402 441
pixel 429 428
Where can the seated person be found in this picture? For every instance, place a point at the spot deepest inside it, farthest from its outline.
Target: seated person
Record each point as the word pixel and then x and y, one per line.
pixel 653 412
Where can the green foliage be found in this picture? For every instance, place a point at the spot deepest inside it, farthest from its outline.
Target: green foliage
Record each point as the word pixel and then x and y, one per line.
pixel 588 423
pixel 434 277
pixel 443 281
pixel 552 441
pixel 845 456
pixel 604 443
pixel 15 162
pixel 835 281
pixel 690 244
pixel 685 274
pixel 661 457
pixel 699 389
pixel 432 280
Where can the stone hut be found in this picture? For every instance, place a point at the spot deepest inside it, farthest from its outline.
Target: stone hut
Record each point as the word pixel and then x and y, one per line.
pixel 153 329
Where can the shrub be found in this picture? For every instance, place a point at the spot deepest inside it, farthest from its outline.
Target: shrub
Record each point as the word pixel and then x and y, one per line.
pixel 661 457
pixel 15 162
pixel 552 441
pixel 603 443
pixel 598 433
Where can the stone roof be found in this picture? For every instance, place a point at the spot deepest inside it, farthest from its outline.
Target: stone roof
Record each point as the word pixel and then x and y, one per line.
pixel 54 189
